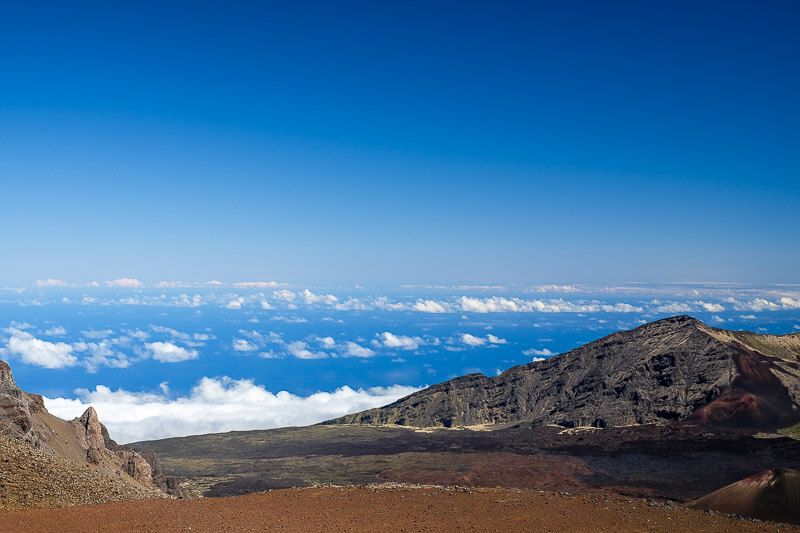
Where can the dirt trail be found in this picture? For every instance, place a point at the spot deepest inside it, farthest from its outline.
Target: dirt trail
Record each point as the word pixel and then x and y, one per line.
pixel 381 509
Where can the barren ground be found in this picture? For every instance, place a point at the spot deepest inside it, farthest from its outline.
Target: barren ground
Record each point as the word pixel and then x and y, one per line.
pixel 384 508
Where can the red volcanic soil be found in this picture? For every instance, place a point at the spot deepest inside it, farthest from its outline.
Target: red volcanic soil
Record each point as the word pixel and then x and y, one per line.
pixel 756 399
pixel 384 508
pixel 768 495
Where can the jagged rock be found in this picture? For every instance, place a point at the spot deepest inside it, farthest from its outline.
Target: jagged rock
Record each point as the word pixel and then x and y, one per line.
pixel 93 435
pixel 673 369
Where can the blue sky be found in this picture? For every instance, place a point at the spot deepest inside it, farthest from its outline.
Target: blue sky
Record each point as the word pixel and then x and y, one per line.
pixel 363 143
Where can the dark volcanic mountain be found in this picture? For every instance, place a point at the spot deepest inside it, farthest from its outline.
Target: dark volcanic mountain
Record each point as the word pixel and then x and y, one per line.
pixel 673 369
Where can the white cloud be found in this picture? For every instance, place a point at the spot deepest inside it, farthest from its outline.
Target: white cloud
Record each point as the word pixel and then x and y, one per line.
pixel 711 307
pixel 184 300
pixel 557 288
pixel 56 331
pixel 38 352
pixel 534 351
pixel 167 352
pixel 402 342
pixel 258 284
pixel 244 345
pixel 100 354
pixel 429 306
pixel 353 349
pixel 494 339
pixel 674 307
pixel 50 282
pixel 300 350
pixel 236 303
pixel 97 333
pixel 285 295
pixel 790 303
pixel 498 304
pixel 216 405
pixel 130 283
pixel 472 340
pixel 327 342
pixel 310 298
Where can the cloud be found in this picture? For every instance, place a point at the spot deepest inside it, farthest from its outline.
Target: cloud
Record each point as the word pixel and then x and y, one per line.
pixel 711 307
pixel 38 352
pixel 100 354
pixel 493 339
pixel 285 295
pixel 130 283
pixel 310 298
pixel 790 303
pixel 401 342
pixel 216 405
pixel 472 340
pixel 498 304
pixel 301 350
pixel 257 284
pixel 353 349
pixel 429 306
pixel 236 303
pixel 534 351
pixel 97 333
pixel 557 288
pixel 167 352
pixel 674 307
pixel 327 342
pixel 50 282
pixel 244 345
pixel 56 331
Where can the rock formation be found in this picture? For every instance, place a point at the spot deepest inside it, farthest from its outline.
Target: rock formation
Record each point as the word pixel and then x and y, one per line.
pixel 84 440
pixel 670 370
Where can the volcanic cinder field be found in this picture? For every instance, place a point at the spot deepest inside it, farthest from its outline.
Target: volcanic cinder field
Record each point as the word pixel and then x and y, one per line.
pixel 383 508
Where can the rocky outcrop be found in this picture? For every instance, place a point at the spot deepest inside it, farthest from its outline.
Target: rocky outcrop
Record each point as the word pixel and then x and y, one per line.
pixel 670 370
pixel 17 409
pixel 84 440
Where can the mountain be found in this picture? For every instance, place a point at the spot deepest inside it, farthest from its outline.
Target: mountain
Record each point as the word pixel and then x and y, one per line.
pixel 773 494
pixel 675 369
pixel 55 453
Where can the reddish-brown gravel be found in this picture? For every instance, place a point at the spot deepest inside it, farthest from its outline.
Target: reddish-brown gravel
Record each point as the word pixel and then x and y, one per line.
pixel 385 508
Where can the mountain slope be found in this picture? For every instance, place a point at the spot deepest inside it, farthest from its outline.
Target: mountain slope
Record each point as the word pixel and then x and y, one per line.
pixel 32 477
pixel 672 369
pixel 769 495
pixel 35 442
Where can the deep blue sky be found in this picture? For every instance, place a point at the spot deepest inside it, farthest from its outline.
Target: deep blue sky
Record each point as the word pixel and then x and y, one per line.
pixel 386 143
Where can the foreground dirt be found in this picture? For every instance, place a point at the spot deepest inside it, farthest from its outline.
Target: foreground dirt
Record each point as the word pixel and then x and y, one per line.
pixel 383 508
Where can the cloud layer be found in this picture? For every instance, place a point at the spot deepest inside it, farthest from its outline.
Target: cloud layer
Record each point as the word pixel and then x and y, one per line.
pixel 216 405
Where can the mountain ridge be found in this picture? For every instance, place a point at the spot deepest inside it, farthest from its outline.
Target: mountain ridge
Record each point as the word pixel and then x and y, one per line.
pixel 674 369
